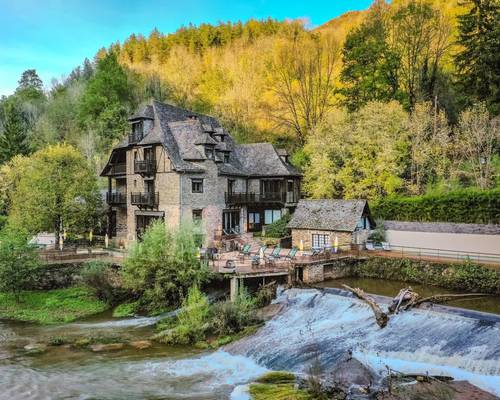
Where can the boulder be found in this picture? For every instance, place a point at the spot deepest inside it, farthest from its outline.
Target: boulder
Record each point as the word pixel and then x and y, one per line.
pixel 351 372
pixel 35 348
pixel 141 344
pixel 107 347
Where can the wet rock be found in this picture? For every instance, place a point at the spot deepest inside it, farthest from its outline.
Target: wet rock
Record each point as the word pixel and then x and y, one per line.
pixel 35 348
pixel 351 372
pixel 107 347
pixel 141 344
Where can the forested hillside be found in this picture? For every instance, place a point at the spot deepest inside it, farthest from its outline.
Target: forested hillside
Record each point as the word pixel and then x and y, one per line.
pixel 397 99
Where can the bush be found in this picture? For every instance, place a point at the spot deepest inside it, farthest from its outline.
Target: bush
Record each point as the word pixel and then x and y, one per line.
pixel 126 310
pixel 19 262
pixel 278 229
pixel 460 206
pixel 378 234
pixel 105 281
pixel 163 266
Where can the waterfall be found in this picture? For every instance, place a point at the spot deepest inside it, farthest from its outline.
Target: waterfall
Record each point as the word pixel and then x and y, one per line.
pixel 319 326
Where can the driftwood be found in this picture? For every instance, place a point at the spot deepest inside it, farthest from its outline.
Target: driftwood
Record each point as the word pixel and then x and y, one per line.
pixel 443 298
pixel 405 296
pixel 380 316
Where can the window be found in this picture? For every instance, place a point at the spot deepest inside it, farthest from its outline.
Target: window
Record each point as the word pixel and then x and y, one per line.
pixel 197 185
pixel 209 153
pixel 253 221
pixel 364 223
pixel 137 128
pixel 230 185
pixel 226 158
pixel 197 215
pixel 271 215
pixel 231 222
pixel 320 241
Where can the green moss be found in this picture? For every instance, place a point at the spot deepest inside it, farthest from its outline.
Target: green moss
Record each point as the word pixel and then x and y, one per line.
pixel 276 377
pixel 52 306
pixel 287 391
pixel 125 310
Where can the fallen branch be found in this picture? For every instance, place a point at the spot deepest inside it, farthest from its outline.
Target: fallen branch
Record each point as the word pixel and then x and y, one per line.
pixel 443 298
pixel 381 317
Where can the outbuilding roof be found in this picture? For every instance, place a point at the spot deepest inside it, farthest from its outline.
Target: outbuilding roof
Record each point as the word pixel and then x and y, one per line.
pixel 329 215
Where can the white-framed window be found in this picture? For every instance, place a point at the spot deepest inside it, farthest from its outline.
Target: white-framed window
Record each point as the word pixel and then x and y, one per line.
pixel 197 185
pixel 320 241
pixel 271 215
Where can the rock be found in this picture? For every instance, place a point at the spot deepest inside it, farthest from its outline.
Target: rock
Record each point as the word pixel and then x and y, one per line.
pixel 107 347
pixel 35 348
pixel 141 344
pixel 269 311
pixel 350 371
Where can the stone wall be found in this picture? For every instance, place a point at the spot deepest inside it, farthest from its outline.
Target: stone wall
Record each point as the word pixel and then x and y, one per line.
pixel 313 273
pixel 344 238
pixel 56 276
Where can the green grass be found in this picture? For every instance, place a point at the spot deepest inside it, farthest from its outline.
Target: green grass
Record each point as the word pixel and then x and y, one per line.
pixel 52 306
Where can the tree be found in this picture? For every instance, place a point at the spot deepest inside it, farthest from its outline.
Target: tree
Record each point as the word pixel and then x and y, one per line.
pixel 370 66
pixel 163 265
pixel 13 136
pixel 303 83
pixel 57 190
pixel 429 133
pixel 477 140
pixel 30 86
pixel 18 262
pixel 478 62
pixel 107 100
pixel 420 37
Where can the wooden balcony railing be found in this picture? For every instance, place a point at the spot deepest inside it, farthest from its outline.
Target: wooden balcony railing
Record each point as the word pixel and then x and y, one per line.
pixel 116 198
pixel 135 137
pixel 118 169
pixel 145 199
pixel 145 167
pixel 254 198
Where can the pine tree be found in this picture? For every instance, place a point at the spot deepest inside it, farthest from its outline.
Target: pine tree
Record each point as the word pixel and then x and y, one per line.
pixel 479 61
pixel 30 86
pixel 13 139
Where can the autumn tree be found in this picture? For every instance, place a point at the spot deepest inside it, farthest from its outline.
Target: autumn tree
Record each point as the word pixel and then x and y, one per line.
pixel 56 190
pixel 478 62
pixel 477 141
pixel 304 74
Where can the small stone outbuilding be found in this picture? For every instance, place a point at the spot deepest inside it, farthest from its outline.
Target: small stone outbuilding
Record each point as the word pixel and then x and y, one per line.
pixel 316 223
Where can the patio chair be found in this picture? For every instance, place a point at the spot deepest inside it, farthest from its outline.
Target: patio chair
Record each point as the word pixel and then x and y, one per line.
pixel 386 246
pixel 291 254
pixel 245 251
pixel 370 246
pixel 275 255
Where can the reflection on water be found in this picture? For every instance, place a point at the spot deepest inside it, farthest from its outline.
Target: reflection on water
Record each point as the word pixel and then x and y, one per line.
pixel 385 287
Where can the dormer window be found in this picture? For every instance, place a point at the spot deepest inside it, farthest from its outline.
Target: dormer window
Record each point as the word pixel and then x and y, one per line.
pixel 226 158
pixel 138 128
pixel 209 153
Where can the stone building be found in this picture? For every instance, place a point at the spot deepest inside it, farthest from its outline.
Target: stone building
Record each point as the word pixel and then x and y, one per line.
pixel 178 165
pixel 316 223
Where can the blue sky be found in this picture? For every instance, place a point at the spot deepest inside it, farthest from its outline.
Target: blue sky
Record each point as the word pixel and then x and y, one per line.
pixel 54 36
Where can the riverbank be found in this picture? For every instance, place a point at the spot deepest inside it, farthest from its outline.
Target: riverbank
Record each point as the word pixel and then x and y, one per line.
pixel 51 306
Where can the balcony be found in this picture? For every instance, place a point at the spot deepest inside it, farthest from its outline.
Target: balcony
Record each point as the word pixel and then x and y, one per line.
pixel 145 167
pixel 118 169
pixel 116 198
pixel 244 198
pixel 146 199
pixel 135 137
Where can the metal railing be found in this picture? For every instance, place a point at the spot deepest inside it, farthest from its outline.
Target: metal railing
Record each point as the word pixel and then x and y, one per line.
pixel 116 198
pixel 425 253
pixel 146 199
pixel 147 167
pixel 266 197
pixel 135 137
pixel 118 169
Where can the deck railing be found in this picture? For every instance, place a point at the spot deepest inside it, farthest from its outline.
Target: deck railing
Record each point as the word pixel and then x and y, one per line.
pixel 118 169
pixel 116 198
pixel 242 198
pixel 145 167
pixel 135 137
pixel 146 199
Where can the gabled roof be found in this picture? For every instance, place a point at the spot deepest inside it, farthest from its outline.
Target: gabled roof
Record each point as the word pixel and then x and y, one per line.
pixel 145 113
pixel 443 227
pixel 328 215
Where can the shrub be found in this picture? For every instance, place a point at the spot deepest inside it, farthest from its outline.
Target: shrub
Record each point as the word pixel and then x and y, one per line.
pixel 19 262
pixel 278 229
pixel 103 280
pixel 378 234
pixel 460 206
pixel 162 266
pixel 126 310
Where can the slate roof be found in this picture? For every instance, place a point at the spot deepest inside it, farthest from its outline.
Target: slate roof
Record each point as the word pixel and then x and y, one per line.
pixel 183 133
pixel 262 159
pixel 328 215
pixel 443 227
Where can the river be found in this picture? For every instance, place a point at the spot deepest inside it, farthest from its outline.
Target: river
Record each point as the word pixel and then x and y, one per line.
pixel 314 326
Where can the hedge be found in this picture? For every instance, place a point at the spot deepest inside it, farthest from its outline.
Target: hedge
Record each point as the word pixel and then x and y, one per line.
pixel 472 206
